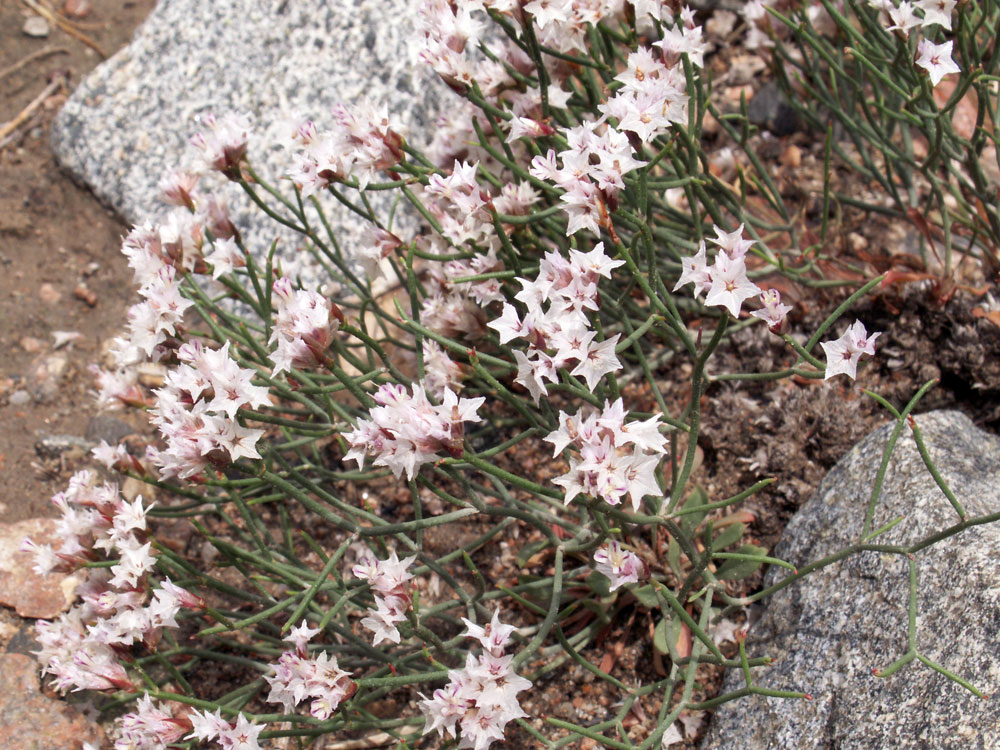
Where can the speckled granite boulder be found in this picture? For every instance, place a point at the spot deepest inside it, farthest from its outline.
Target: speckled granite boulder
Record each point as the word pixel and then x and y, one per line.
pixel 828 632
pixel 130 121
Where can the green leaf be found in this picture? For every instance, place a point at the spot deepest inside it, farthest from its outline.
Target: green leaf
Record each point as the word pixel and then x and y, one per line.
pixel 674 556
pixel 647 597
pixel 665 635
pixel 599 584
pixel 692 521
pixel 728 536
pixel 736 570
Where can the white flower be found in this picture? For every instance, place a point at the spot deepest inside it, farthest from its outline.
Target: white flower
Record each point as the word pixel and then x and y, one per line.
pixel 842 354
pixel 619 565
pixel 730 285
pixel 936 60
pixel 937 12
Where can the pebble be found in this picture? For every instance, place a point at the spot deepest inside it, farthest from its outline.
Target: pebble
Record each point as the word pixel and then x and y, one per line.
pixel 31 345
pixel 791 156
pixel 36 26
pixel 108 429
pixel 77 8
pixel 67 446
pixel 46 375
pixel 83 292
pixel 19 398
pixel 49 294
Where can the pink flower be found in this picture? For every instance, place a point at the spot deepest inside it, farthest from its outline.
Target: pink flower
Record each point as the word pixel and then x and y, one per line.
pixel 773 313
pixel 842 355
pixel 620 565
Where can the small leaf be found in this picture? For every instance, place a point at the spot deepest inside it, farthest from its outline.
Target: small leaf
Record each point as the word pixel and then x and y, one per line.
pixel 729 536
pixel 692 521
pixel 737 570
pixel 674 556
pixel 660 637
pixel 599 583
pixel 672 637
pixel 647 596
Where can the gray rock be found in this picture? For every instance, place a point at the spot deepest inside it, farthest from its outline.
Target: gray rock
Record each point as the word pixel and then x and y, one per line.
pixel 130 121
pixel 772 111
pixel 54 446
pixel 108 429
pixel 20 398
pixel 829 631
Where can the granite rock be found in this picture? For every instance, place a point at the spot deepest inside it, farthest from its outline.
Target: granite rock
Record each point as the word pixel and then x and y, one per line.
pixel 29 594
pixel 130 121
pixel 829 631
pixel 29 719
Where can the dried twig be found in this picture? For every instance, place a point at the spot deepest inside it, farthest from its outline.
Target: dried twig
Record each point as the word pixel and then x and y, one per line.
pixel 65 25
pixel 9 127
pixel 36 55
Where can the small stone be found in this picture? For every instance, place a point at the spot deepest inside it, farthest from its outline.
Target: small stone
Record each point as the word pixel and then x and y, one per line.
pixel 151 374
pixel 49 294
pixel 857 242
pixel 771 110
pixel 77 8
pixel 108 429
pixel 91 268
pixel 46 377
pixel 791 156
pixel 31 345
pixel 65 446
pixel 82 292
pixel 132 488
pixel 36 26
pixel 29 719
pixel 19 398
pixel 30 594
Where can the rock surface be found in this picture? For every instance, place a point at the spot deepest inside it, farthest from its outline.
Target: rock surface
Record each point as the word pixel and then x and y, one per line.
pixel 829 631
pixel 130 121
pixel 28 593
pixel 28 719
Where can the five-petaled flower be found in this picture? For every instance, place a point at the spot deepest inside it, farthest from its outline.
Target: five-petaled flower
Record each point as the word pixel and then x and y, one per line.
pixel 842 354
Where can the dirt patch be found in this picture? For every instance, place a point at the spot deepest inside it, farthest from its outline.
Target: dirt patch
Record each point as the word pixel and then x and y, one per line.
pixel 59 257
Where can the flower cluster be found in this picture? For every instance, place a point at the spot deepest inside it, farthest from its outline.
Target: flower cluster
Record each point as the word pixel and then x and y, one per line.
pixel 224 144
pixel 359 144
pixel 905 16
pixel 651 99
pixel 842 354
pixel 389 579
pixel 617 457
pixel 81 650
pixel 303 327
pixel 407 431
pixel 556 325
pixel 241 736
pixel 590 172
pixel 196 412
pixel 726 280
pixel 297 677
pixel 481 698
pixel 149 727
pixel 620 565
